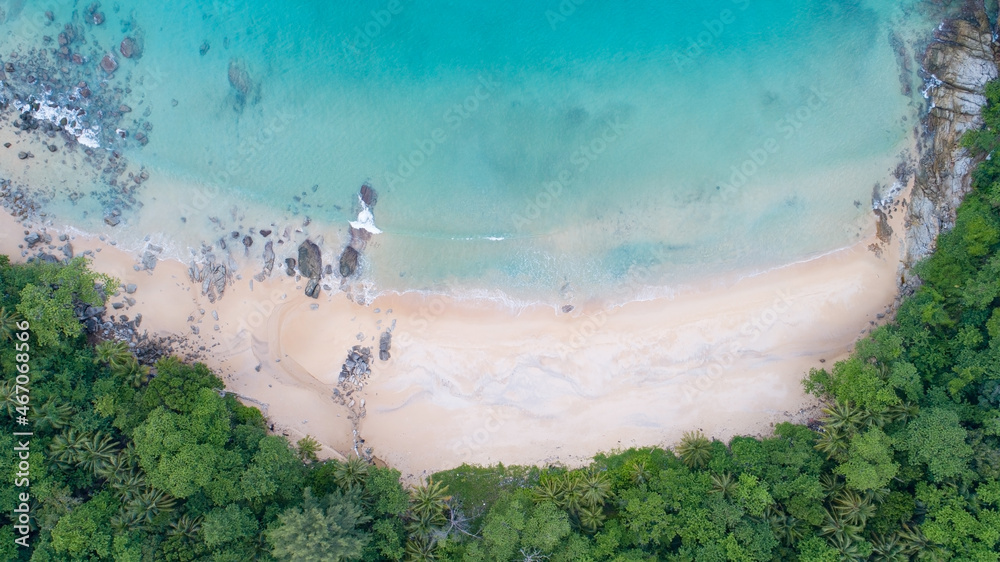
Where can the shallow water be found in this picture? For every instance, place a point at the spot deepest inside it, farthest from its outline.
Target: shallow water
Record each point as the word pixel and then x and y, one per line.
pixel 517 146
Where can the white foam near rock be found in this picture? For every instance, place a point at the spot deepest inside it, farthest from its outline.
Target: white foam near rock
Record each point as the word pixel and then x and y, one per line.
pixel 366 220
pixel 54 113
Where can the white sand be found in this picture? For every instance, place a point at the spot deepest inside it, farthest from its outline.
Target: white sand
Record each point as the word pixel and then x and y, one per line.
pixel 474 382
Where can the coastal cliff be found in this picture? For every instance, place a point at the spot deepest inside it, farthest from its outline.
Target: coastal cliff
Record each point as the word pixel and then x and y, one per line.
pixel 959 62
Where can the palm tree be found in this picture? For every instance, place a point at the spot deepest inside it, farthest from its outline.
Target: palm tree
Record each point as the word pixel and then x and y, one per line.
pixel 888 549
pixel 833 442
pixel 915 544
pixel 695 450
pixel 8 394
pixel 65 446
pixel 877 496
pixel 844 416
pixel 430 499
pixel 835 525
pixel 853 507
pixel 126 521
pixel 549 489
pixel 150 503
pixel 638 471
pixel 591 518
pixel 724 484
pixel 420 550
pixel 425 524
pixel 129 454
pixel 427 508
pixel 116 355
pixel 573 492
pixel 95 451
pixel 129 485
pixel 847 546
pixel 137 374
pixel 50 415
pixel 351 474
pixel 831 483
pixel 307 448
pixel 788 529
pixel 185 526
pixel 117 467
pixel 595 488
pixel 8 323
pixel 904 411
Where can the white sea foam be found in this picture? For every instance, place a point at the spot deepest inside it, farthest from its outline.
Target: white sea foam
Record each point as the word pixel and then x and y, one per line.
pixel 490 238
pixel 55 113
pixel 932 83
pixel 366 220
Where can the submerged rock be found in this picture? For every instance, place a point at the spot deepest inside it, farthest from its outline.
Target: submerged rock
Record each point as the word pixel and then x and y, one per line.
pixel 109 64
pixel 240 80
pixel 130 48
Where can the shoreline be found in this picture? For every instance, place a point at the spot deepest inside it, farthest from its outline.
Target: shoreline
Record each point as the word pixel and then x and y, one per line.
pixel 479 382
pixel 471 379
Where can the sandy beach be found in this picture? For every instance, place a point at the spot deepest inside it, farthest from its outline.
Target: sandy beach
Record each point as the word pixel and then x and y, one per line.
pixel 477 382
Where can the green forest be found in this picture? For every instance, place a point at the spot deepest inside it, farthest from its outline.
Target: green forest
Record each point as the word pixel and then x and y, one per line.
pixel 134 462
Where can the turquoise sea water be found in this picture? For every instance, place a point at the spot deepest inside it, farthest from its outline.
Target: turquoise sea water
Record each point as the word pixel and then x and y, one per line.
pixel 521 145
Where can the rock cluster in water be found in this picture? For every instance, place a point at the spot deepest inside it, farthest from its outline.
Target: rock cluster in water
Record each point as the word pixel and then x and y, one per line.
pixel 61 89
pixel 349 258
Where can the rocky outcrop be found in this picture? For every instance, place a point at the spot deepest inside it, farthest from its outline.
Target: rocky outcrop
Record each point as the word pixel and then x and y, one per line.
pixel 311 266
pixel 959 62
pixel 348 261
pixel 357 367
pixel 310 260
pixel 368 195
pixel 361 231
pixel 213 277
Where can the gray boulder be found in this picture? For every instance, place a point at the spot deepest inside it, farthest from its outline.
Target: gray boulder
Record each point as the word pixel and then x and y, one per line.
pixel 348 262
pixel 312 289
pixel 310 260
